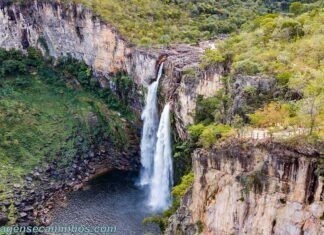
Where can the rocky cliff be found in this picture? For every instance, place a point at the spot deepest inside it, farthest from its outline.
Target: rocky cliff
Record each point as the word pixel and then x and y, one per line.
pixel 243 188
pixel 252 188
pixel 185 80
pixel 72 30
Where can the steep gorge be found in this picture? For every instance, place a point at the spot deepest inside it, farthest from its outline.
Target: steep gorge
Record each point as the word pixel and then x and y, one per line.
pixel 72 30
pixel 242 188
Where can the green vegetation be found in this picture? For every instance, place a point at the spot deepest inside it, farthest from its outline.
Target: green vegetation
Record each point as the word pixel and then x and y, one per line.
pixel 178 192
pixel 200 226
pixel 272 114
pixel 182 161
pixel 46 111
pixel 207 135
pixel 288 48
pixel 216 108
pixel 147 22
pixel 276 45
pixel 212 123
pixel 211 57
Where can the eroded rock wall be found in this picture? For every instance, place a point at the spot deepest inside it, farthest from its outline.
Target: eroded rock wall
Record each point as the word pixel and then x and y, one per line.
pixel 185 80
pixel 246 188
pixel 261 189
pixel 73 30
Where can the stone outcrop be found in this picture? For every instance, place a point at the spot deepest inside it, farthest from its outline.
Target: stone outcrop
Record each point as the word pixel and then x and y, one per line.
pixel 252 188
pixel 259 86
pixel 185 80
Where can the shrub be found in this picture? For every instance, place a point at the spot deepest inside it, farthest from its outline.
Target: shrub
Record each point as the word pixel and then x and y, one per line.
pixel 182 160
pixel 272 114
pixel 205 109
pixel 283 78
pixel 289 29
pixel 195 131
pixel 186 181
pixel 22 82
pixel 145 41
pixel 214 132
pixel 214 109
pixel 296 8
pixel 212 57
pixel 247 67
pixel 11 67
pixel 190 72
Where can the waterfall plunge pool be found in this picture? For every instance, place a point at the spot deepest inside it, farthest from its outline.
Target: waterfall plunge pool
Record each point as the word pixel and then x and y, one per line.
pixel 110 200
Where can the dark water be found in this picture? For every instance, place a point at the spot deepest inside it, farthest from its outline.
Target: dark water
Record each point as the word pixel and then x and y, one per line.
pixel 111 200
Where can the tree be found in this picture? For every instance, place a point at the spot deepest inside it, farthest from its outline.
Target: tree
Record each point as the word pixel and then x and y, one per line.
pixel 296 8
pixel 312 104
pixel 270 115
pixel 10 67
pixel 214 132
pixel 212 57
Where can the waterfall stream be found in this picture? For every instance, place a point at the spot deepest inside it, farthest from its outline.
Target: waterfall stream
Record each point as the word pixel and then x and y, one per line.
pixel 150 119
pixel 162 179
pixel 156 152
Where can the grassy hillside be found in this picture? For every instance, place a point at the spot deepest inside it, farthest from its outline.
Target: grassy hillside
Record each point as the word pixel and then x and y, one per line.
pixel 147 22
pixel 47 111
pixel 287 48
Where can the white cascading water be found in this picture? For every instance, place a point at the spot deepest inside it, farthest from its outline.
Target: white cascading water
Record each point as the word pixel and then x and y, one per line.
pixel 162 178
pixel 150 119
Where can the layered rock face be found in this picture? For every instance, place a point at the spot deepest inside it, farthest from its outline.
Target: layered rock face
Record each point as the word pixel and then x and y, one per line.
pixel 72 30
pixel 246 188
pixel 238 189
pixel 185 80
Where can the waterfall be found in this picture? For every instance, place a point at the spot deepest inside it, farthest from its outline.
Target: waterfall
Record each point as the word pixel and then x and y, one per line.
pixel 150 119
pixel 156 153
pixel 162 178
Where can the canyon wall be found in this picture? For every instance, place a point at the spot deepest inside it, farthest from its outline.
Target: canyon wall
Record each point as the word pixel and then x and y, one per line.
pixel 252 188
pixel 238 189
pixel 72 30
pixel 185 81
